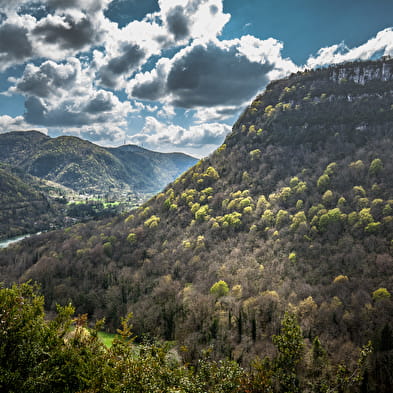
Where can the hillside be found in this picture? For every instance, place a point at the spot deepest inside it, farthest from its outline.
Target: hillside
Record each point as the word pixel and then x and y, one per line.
pixel 25 208
pixel 87 168
pixel 294 212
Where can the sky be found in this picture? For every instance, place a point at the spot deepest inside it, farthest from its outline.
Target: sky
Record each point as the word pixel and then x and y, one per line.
pixel 168 75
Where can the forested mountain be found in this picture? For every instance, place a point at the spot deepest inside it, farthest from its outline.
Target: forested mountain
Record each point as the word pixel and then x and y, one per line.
pixel 88 168
pixel 294 212
pixel 24 206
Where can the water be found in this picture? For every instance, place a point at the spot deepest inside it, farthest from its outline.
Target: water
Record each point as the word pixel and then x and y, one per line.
pixel 8 242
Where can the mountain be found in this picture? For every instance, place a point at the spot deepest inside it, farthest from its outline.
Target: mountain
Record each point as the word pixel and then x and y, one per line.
pixel 25 206
pixel 294 212
pixel 87 168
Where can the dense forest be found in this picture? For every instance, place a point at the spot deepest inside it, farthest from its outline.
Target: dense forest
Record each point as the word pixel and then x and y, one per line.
pixel 25 206
pixel 64 355
pixel 291 219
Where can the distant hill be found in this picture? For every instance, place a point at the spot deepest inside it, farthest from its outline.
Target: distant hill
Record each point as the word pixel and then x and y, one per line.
pixel 24 207
pixel 294 212
pixel 88 168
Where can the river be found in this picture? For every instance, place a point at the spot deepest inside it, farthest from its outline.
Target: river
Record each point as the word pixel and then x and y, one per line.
pixel 8 242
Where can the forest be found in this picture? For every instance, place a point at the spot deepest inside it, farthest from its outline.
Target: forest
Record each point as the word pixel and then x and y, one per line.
pixel 273 256
pixel 62 355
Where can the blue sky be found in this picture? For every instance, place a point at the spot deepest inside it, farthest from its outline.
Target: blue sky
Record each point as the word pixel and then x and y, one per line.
pixel 171 75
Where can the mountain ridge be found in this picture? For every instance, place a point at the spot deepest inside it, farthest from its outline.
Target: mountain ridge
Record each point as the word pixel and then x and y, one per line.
pixel 84 166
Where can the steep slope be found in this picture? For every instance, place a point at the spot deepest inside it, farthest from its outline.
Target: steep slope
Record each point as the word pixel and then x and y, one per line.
pixel 86 167
pixel 24 207
pixel 151 170
pixel 293 212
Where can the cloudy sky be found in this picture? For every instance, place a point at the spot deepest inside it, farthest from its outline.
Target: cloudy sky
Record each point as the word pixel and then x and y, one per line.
pixel 170 75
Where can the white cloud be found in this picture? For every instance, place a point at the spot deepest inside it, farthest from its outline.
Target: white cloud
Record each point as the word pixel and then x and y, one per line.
pixel 214 73
pixel 86 5
pixel 126 50
pixel 167 111
pixel 68 28
pixel 381 45
pixel 101 134
pixel 202 138
pixel 196 19
pixel 15 44
pixel 63 95
pixel 8 123
pixel 218 113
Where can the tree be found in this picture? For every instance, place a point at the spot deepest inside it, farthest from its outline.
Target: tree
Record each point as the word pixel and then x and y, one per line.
pixel 323 182
pixel 376 167
pixel 289 344
pixel 219 289
pixel 37 355
pixel 381 293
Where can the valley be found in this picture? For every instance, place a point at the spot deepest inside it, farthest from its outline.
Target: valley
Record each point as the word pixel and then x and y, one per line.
pixel 283 233
pixel 51 183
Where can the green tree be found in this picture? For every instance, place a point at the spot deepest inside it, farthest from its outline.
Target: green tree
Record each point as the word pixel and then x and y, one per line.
pixel 381 293
pixel 376 167
pixel 323 182
pixel 290 347
pixel 219 289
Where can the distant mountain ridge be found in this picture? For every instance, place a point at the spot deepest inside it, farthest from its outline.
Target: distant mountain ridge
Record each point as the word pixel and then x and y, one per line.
pixel 86 167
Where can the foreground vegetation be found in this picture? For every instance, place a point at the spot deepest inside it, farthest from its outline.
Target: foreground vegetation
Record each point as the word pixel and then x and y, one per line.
pixel 62 355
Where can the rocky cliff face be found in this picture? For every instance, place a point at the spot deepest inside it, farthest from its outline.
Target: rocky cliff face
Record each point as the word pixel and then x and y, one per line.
pixel 363 72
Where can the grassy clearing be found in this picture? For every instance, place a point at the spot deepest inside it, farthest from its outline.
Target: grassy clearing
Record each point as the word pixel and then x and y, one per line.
pixel 106 338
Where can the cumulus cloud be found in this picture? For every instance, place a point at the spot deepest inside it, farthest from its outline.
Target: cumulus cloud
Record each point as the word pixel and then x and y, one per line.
pixel 211 78
pixel 9 6
pixel 52 29
pixel 167 111
pixel 87 5
pixel 129 59
pixel 14 42
pixel 159 135
pixel 63 95
pixel 216 73
pixel 196 19
pixel 8 123
pixel 217 113
pixel 126 50
pixel 151 85
pixel 177 22
pixel 381 45
pixel 15 45
pixel 102 134
pixel 50 79
pixel 73 31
